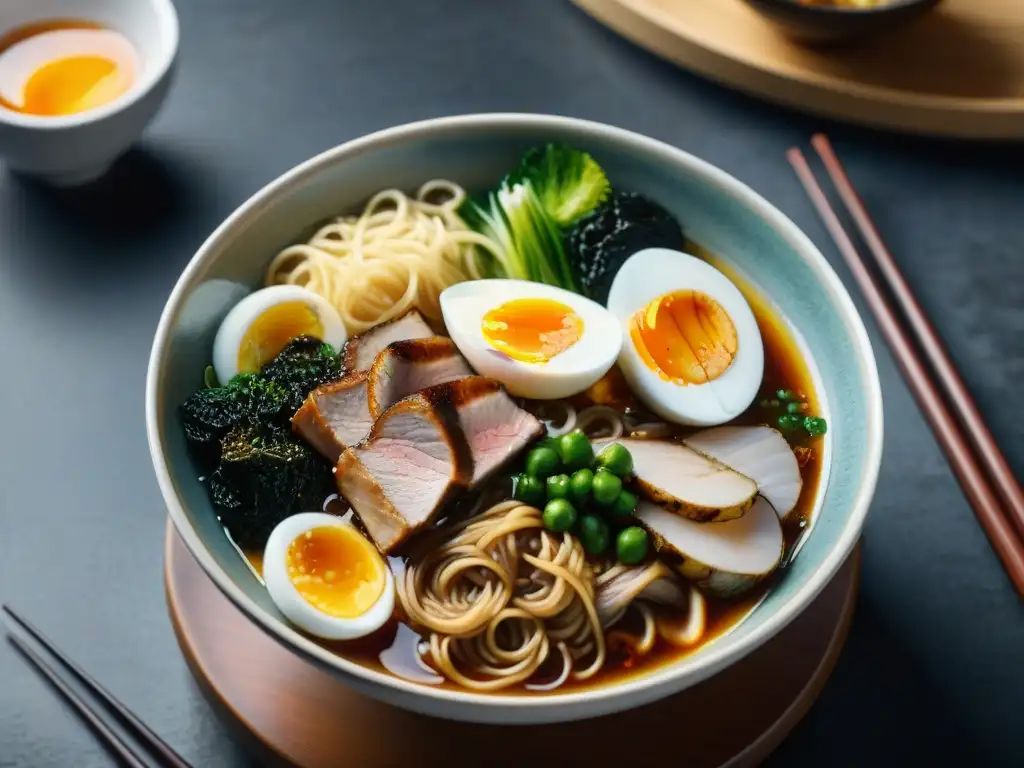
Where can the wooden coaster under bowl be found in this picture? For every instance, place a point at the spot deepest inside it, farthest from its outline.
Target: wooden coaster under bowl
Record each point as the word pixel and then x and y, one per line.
pixel 290 712
pixel 956 71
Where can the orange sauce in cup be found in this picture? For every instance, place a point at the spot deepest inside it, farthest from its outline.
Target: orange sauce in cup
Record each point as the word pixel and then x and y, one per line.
pixel 63 67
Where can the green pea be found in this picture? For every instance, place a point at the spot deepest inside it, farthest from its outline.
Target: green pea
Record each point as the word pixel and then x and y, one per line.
pixel 815 426
pixel 529 490
pixel 541 462
pixel 559 515
pixel 575 450
pixel 594 534
pixel 795 408
pixel 625 504
pixel 558 487
pixel 785 394
pixel 788 422
pixel 607 487
pixel 631 545
pixel 580 485
pixel 616 459
pixel 549 442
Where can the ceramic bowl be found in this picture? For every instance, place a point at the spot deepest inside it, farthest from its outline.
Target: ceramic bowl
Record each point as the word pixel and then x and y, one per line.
pixel 822 24
pixel 74 149
pixel 717 210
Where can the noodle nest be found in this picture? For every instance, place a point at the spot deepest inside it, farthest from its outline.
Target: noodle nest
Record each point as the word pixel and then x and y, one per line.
pixel 399 253
pixel 498 594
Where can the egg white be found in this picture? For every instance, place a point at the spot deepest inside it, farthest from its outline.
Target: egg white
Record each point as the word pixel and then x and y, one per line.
pixel 464 305
pixel 295 607
pixel 235 324
pixel 654 272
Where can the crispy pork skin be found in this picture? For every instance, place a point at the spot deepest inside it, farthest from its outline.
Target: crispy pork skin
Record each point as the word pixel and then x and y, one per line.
pixel 360 351
pixel 405 367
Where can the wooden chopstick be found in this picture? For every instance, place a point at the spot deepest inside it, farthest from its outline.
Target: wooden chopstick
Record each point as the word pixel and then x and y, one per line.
pixel 1001 533
pixel 168 758
pixel 985 446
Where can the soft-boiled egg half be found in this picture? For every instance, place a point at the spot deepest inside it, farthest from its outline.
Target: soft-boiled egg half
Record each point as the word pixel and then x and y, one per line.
pixel 259 326
pixel 691 347
pixel 327 578
pixel 540 341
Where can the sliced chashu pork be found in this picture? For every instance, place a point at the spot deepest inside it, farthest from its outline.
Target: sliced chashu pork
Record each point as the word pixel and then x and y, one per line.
pixel 408 366
pixel 689 483
pixel 426 449
pixel 495 428
pixel 341 413
pixel 335 415
pixel 360 351
pixel 414 461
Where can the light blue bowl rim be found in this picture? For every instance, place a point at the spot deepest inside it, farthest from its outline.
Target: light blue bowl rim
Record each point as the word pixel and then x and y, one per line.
pixel 640 689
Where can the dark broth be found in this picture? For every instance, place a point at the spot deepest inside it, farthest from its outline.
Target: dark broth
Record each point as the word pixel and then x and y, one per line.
pixel 784 368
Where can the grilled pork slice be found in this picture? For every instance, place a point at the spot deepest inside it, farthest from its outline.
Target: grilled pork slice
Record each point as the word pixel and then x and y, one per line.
pixel 406 367
pixel 494 426
pixel 424 450
pixel 689 483
pixel 335 415
pixel 413 462
pixel 360 351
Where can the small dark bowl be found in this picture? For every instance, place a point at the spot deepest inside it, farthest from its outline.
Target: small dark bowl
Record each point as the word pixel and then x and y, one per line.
pixel 820 24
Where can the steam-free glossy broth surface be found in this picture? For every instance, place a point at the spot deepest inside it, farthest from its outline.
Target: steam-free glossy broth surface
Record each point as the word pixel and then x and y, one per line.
pixel 785 368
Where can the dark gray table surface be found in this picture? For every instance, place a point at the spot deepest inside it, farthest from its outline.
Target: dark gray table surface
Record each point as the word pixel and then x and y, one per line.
pixel 934 666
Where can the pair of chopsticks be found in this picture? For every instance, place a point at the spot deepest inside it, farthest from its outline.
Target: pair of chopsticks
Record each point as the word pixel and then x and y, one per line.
pixel 972 452
pixel 163 755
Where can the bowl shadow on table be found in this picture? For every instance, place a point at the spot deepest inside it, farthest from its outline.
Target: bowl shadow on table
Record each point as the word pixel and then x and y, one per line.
pixel 112 225
pixel 938 55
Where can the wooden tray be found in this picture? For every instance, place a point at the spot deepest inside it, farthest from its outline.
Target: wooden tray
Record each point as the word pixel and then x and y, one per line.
pixel 958 71
pixel 290 712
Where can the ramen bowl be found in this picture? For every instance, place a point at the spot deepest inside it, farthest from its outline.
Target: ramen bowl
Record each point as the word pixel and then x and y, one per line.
pixel 720 213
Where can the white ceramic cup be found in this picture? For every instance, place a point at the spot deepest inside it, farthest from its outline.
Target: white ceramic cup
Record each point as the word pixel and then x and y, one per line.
pixel 74 149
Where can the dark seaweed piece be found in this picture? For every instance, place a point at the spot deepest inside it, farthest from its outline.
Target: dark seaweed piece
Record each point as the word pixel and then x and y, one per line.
pixel 265 475
pixel 303 365
pixel 601 241
pixel 266 401
pixel 209 414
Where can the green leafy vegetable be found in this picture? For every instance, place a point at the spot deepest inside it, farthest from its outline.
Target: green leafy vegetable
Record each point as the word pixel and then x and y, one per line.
pixel 265 475
pixel 240 433
pixel 568 182
pixel 210 377
pixel 248 399
pixel 529 239
pixel 303 365
pixel 551 188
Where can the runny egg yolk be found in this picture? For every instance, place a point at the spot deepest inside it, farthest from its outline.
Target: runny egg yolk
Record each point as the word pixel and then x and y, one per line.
pixel 272 329
pixel 336 570
pixel 686 337
pixel 532 330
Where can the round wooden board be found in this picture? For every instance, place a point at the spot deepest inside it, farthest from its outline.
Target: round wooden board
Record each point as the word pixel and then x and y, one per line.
pixel 291 712
pixel 957 71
